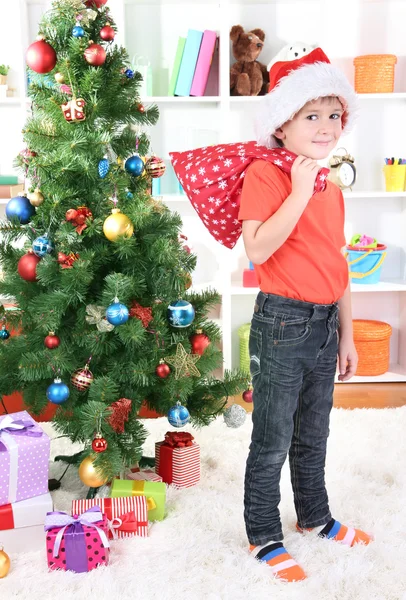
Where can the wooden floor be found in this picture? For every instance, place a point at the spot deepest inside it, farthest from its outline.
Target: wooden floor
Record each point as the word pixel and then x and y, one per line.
pixel 361 395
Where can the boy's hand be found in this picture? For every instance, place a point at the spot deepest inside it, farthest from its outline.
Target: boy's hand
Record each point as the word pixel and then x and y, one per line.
pixel 304 173
pixel 347 359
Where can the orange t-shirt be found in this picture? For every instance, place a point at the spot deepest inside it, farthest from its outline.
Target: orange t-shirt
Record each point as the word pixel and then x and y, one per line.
pixel 310 265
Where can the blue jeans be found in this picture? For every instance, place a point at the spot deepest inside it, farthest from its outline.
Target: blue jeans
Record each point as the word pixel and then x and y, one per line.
pixel 293 355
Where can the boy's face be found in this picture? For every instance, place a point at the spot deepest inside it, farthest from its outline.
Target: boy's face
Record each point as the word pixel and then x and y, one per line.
pixel 315 130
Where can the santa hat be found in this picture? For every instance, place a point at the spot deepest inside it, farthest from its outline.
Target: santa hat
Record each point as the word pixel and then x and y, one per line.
pixel 294 83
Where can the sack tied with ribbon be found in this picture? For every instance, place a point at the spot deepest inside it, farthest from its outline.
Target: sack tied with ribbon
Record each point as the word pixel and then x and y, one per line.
pixel 212 178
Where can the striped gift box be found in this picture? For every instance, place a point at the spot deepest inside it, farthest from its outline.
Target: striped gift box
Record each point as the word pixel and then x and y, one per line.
pixel 179 467
pixel 128 516
pixel 144 474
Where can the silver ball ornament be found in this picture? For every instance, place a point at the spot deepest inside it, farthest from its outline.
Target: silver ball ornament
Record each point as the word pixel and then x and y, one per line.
pixel 234 416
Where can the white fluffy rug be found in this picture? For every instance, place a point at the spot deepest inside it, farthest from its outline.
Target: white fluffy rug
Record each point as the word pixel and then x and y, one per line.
pixel 200 550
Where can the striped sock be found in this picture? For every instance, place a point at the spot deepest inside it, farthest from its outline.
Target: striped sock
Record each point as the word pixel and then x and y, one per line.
pixel 334 530
pixel 283 566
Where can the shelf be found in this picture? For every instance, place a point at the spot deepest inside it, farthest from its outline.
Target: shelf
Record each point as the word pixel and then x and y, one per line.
pixel 396 373
pixel 181 99
pixel 393 96
pixel 397 285
pixel 12 101
pixel 170 198
pixel 377 194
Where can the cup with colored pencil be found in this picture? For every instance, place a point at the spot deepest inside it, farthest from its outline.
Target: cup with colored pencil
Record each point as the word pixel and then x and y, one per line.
pixel 395 174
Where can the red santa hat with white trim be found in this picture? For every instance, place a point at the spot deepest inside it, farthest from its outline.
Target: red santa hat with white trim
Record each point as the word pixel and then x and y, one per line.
pixel 294 83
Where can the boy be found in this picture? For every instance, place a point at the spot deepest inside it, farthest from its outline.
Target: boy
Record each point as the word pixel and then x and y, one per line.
pixel 295 238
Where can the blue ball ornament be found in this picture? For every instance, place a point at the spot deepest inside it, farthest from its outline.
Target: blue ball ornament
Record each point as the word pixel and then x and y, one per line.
pixel 58 392
pixel 130 195
pixel 180 313
pixel 20 208
pixel 178 415
pixel 103 167
pixel 78 31
pixel 134 165
pixel 117 313
pixel 129 73
pixel 4 334
pixel 42 246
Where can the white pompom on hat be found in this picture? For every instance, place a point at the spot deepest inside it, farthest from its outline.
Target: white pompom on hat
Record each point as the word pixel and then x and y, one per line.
pixel 294 83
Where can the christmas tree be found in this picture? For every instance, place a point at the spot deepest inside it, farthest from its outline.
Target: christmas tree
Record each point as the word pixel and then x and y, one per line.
pixel 102 293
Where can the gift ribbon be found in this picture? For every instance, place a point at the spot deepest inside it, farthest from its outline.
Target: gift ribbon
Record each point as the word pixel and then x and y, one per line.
pixel 176 439
pixel 6 517
pixel 137 489
pixel 127 523
pixel 75 545
pixel 8 429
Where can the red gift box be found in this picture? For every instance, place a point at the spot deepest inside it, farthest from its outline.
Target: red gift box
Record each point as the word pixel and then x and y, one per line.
pixel 127 516
pixel 177 459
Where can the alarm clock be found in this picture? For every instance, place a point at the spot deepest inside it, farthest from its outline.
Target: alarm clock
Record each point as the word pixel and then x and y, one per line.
pixel 342 170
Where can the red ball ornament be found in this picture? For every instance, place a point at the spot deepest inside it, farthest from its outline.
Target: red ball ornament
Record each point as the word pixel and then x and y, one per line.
pixel 99 444
pixel 199 342
pixel 107 33
pixel 247 395
pixel 162 370
pixel 95 3
pixel 141 108
pixel 41 57
pixel 27 266
pixel 52 341
pixel 95 55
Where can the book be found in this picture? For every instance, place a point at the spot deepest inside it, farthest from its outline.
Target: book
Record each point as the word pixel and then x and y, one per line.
pixel 188 64
pixel 9 191
pixel 203 64
pixel 8 179
pixel 176 66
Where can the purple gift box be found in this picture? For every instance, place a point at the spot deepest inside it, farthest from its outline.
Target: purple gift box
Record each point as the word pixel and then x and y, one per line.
pixel 24 457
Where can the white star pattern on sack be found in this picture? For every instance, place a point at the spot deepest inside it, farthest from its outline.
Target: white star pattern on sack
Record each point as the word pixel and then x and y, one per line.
pixel 221 197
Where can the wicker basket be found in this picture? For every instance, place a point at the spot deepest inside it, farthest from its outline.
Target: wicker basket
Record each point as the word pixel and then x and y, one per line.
pixel 372 340
pixel 375 73
pixel 244 335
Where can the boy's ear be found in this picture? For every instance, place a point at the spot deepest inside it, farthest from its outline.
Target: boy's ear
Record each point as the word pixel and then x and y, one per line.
pixel 279 134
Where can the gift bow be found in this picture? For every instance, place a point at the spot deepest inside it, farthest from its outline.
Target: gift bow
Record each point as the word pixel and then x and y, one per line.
pixel 96 315
pixel 127 523
pixel 75 525
pixel 178 439
pixel 17 427
pixel 212 179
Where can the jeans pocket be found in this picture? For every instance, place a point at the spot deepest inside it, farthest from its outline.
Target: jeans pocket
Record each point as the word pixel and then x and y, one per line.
pixel 293 330
pixel 255 350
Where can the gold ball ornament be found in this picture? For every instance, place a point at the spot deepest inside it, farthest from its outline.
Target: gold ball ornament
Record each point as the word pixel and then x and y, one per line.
pixel 4 563
pixel 35 197
pixel 155 167
pixel 59 78
pixel 117 224
pixel 89 475
pixel 82 379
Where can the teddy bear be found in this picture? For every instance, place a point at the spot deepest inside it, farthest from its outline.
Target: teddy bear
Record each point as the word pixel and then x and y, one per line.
pixel 291 52
pixel 248 77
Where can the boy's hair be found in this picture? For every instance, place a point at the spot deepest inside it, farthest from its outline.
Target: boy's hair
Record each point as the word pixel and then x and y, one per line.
pixel 323 99
pixel 292 84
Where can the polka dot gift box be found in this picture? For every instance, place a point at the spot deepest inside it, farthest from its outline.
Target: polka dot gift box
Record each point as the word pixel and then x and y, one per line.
pixel 24 457
pixel 77 543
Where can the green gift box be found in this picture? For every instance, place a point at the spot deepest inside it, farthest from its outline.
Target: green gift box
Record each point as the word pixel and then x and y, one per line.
pixel 154 491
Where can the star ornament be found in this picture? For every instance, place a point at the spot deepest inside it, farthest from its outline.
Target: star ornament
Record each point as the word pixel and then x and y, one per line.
pixel 183 362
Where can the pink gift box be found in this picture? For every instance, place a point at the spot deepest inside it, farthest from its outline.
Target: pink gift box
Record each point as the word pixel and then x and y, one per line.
pixel 145 475
pixel 73 545
pixel 127 516
pixel 24 458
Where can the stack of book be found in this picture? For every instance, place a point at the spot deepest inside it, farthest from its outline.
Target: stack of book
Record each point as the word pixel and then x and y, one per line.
pixel 193 59
pixel 9 186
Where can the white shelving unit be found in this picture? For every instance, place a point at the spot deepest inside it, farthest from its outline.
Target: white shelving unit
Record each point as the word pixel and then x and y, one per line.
pixel 151 28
